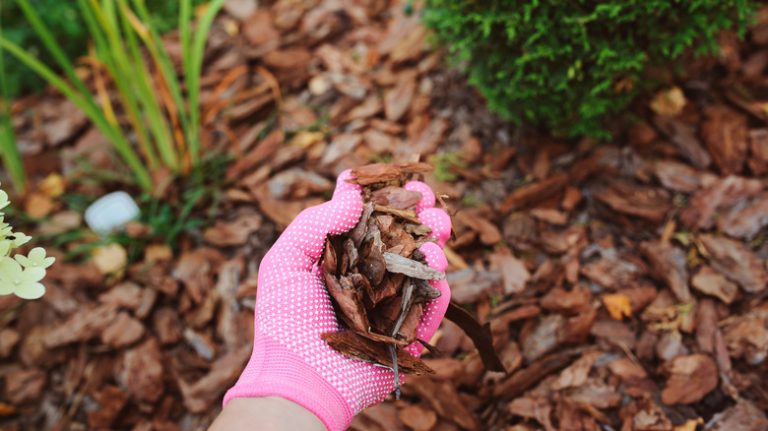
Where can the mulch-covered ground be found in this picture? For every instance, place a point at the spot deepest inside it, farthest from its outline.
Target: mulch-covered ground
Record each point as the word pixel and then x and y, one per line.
pixel 625 282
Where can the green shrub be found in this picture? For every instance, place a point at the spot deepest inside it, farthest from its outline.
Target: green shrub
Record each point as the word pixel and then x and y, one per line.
pixel 566 64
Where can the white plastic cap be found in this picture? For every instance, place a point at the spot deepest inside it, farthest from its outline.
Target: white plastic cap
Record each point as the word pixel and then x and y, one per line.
pixel 111 212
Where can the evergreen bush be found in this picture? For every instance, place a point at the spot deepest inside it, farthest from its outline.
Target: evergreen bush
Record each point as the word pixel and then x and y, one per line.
pixel 565 65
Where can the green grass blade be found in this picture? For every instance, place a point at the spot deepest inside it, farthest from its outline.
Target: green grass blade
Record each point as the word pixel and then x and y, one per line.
pixel 148 97
pixel 8 149
pixel 49 41
pixel 162 59
pixel 192 74
pixel 185 17
pixel 10 154
pixel 89 107
pixel 104 54
pixel 127 77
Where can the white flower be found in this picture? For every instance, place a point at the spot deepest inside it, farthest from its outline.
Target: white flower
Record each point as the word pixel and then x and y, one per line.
pixel 4 202
pixel 24 283
pixel 35 259
pixel 20 238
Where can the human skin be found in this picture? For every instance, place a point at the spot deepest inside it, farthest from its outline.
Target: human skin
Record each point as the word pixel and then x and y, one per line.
pixel 265 414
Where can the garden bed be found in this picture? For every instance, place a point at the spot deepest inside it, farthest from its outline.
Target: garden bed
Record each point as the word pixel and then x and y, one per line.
pixel 624 281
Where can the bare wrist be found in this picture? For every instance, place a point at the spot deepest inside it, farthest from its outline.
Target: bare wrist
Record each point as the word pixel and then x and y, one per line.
pixel 266 413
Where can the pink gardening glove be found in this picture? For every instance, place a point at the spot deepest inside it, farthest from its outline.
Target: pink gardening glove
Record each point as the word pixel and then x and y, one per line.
pixel 293 309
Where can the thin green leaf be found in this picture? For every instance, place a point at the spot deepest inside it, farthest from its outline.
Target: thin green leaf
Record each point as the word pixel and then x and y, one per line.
pixel 96 21
pixel 89 107
pixel 192 74
pixel 8 148
pixel 50 43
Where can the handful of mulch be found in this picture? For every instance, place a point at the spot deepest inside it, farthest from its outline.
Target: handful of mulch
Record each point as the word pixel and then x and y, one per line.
pixel 379 280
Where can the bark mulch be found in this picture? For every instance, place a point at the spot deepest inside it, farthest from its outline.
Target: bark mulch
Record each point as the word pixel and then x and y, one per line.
pixel 624 282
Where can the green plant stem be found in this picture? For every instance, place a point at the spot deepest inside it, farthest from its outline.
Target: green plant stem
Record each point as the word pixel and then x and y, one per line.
pixel 193 68
pixel 8 148
pixel 85 102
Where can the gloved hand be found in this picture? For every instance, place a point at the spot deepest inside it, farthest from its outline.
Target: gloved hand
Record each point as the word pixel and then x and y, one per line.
pixel 293 309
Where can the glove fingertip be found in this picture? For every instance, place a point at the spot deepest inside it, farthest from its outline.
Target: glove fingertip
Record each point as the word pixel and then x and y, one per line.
pixel 427 195
pixel 344 211
pixel 434 256
pixel 343 184
pixel 439 221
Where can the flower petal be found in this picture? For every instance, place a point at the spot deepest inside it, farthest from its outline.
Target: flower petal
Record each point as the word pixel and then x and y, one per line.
pixel 23 260
pixel 6 288
pixel 30 291
pixel 33 274
pixel 9 268
pixel 37 254
pixel 48 261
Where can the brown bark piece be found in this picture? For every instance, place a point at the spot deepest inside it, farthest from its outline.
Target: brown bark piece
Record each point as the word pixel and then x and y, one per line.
pixel 418 418
pixel 383 173
pixel 397 100
pixel 710 282
pixel 8 340
pixel 395 197
pixel 691 378
pixel 639 201
pixel 445 400
pixel 141 371
pixel 124 330
pixel 204 392
pixel 167 325
pixel 411 268
pixel 684 137
pixel 723 193
pixel 543 338
pixel 356 346
pixel 758 147
pixel 22 386
pixel 747 221
pixel 737 262
pixel 725 135
pixel 81 326
pixel 111 401
pixel 668 264
pixel 744 416
pixel 681 177
pixel 532 193
pixel 235 232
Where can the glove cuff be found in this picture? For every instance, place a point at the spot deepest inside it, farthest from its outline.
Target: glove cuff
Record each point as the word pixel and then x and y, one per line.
pixel 274 370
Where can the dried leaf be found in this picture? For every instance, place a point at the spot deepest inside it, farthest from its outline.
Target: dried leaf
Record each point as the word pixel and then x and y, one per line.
pixel 110 258
pixel 618 305
pixel 669 102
